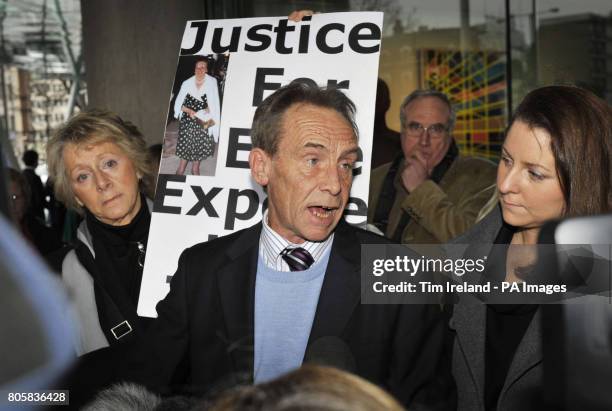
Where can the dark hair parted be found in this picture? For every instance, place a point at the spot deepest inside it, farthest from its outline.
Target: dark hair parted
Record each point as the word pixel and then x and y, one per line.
pixel 267 122
pixel 90 128
pixel 580 127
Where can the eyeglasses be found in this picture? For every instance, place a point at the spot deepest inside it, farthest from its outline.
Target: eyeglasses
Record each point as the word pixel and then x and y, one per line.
pixel 435 131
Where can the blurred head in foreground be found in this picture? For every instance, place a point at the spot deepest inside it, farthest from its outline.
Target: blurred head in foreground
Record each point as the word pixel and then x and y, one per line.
pixel 309 388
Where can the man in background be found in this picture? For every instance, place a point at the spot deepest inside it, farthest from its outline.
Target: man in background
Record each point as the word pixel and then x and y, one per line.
pixel 430 193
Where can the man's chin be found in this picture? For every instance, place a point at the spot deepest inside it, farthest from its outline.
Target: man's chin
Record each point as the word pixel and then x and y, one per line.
pixel 320 234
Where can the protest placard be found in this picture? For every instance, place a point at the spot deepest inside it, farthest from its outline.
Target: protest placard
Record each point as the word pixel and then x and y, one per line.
pixel 246 60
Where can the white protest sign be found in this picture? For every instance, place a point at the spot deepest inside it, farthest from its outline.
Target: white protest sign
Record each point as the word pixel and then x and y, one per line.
pixel 249 59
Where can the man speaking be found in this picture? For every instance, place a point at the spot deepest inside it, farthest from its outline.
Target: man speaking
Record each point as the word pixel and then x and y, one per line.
pixel 262 300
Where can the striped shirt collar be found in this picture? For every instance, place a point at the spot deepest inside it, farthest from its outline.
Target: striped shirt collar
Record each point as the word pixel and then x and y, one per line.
pixel 271 244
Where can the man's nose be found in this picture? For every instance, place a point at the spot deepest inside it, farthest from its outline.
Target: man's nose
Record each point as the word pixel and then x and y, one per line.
pixel 425 139
pixel 331 181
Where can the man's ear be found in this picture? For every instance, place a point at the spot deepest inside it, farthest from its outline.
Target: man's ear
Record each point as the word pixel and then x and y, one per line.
pixel 260 164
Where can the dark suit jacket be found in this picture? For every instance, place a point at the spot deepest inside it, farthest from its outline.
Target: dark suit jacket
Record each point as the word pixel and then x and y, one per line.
pixel 522 388
pixel 206 321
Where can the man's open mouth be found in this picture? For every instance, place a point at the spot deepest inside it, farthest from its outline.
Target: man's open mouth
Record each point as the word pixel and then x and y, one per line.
pixel 322 211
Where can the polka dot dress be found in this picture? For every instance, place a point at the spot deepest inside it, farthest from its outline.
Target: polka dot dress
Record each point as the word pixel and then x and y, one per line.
pixel 194 142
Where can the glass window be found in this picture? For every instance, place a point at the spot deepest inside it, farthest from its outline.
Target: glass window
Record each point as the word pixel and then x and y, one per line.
pixel 461 48
pixel 456 47
pixel 572 39
pixel 37 33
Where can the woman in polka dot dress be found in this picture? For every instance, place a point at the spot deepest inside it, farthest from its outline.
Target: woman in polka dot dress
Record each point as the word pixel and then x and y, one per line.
pixel 198 111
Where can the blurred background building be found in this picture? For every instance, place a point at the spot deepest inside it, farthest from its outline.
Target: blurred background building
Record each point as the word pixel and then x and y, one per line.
pixel 41 72
pixel 58 56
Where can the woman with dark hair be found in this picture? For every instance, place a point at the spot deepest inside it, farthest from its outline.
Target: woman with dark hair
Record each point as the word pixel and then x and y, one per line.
pixel 198 110
pixel 555 163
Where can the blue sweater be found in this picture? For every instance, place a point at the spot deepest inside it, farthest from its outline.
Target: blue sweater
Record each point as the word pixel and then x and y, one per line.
pixel 285 306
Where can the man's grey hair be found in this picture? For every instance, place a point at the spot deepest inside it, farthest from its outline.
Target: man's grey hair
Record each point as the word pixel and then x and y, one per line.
pixel 268 118
pixel 428 93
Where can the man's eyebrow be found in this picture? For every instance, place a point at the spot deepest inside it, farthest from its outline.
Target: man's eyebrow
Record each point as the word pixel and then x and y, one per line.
pixel 315 145
pixel 354 150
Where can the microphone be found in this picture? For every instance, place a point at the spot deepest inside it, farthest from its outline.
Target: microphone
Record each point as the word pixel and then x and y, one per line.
pixel 331 351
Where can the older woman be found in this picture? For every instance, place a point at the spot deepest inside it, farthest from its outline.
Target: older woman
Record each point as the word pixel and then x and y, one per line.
pixel 197 108
pixel 98 161
pixel 555 163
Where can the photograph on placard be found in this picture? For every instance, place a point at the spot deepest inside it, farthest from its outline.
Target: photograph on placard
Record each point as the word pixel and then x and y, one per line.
pixel 191 138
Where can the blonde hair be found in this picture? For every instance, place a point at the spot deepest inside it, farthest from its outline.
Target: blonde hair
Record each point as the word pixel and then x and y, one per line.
pixel 491 203
pixel 311 387
pixel 90 128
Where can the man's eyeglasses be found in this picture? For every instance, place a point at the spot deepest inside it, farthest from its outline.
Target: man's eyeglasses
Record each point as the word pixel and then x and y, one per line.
pixel 435 131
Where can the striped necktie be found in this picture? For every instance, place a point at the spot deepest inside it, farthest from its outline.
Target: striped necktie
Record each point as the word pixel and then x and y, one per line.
pixel 298 259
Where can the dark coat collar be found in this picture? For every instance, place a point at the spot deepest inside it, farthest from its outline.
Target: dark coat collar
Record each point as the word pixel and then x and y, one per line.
pixel 341 288
pixel 469 320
